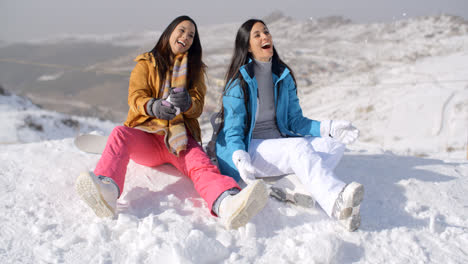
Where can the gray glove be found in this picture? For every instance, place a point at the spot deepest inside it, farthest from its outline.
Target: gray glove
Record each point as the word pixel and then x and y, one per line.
pixel 181 99
pixel 161 109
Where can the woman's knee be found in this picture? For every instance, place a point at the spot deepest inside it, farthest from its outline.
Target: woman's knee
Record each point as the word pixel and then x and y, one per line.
pixel 302 146
pixel 303 150
pixel 327 145
pixel 124 134
pixel 119 131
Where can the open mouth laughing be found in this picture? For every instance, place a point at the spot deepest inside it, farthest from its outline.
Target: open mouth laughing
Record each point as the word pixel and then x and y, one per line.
pixel 266 45
pixel 181 43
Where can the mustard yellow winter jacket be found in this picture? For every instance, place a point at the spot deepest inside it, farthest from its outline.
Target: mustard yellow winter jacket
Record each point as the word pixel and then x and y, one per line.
pixel 144 85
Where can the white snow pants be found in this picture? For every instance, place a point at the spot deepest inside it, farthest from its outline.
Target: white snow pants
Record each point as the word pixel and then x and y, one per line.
pixel 312 159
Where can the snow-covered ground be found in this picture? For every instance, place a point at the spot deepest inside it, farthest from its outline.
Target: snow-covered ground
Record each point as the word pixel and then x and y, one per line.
pixel 411 158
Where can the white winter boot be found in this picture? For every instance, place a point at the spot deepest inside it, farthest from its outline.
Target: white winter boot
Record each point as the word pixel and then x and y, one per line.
pixel 347 205
pixel 236 210
pixel 98 192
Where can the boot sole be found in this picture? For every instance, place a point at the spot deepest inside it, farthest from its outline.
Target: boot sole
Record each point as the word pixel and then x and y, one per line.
pixel 90 193
pixel 352 223
pixel 256 201
pixel 356 190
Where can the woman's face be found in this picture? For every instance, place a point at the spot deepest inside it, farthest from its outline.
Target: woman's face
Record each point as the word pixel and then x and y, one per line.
pixel 182 37
pixel 261 42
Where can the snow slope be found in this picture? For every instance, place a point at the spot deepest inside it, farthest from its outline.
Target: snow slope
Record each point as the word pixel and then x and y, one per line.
pixel 411 158
pixel 416 109
pixel 414 211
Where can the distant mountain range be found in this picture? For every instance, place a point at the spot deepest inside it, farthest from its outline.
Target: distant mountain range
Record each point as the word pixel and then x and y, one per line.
pixel 88 75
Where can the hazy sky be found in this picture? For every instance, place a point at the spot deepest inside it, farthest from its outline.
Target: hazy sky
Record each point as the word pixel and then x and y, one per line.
pixel 31 19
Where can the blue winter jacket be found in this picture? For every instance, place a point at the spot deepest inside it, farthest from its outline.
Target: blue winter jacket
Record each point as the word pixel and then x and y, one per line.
pixel 237 134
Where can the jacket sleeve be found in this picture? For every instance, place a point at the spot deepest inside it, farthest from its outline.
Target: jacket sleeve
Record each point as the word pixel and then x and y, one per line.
pixel 139 91
pixel 234 122
pixel 197 93
pixel 296 121
pixel 233 136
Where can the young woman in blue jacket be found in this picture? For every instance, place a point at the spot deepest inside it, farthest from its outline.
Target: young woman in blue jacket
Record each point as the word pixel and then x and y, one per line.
pixel 264 132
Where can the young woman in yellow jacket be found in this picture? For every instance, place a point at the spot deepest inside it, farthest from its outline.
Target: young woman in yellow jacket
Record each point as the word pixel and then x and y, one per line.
pixel 166 96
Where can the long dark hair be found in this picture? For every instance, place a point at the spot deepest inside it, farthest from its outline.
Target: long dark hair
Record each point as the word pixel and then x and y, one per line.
pixel 163 54
pixel 241 57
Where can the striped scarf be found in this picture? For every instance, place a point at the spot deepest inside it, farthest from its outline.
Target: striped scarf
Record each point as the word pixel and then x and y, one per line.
pixel 176 138
pixel 175 135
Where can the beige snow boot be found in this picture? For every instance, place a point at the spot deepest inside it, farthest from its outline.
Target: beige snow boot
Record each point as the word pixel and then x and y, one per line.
pixel 347 205
pixel 236 210
pixel 98 192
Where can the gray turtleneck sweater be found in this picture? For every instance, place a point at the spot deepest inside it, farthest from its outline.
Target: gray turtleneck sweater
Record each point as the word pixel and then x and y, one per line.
pixel 265 125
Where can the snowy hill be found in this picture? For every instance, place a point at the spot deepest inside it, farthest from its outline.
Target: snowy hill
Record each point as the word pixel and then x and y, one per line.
pixel 25 122
pixel 418 109
pixel 323 51
pixel 407 92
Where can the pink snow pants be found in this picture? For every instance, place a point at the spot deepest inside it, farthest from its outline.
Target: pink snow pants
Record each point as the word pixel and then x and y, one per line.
pixel 148 149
